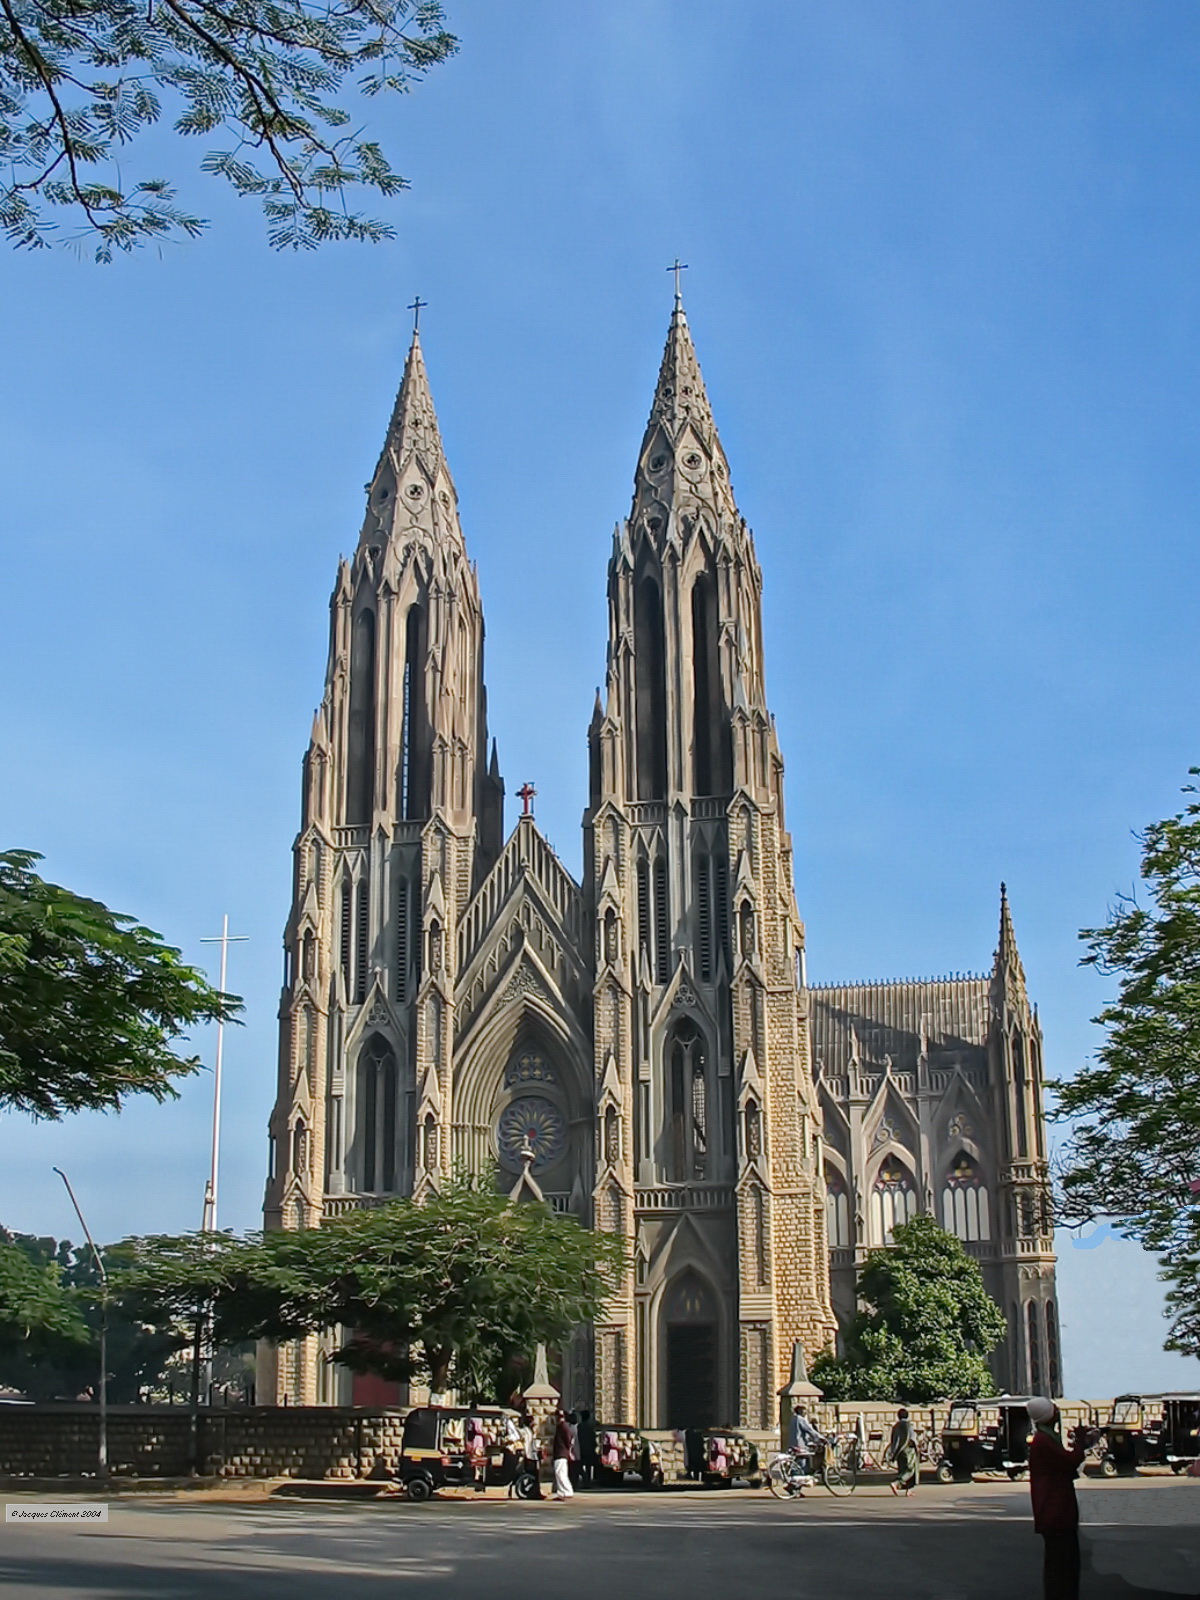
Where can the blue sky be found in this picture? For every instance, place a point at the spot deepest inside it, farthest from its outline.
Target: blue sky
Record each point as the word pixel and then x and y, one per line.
pixel 943 285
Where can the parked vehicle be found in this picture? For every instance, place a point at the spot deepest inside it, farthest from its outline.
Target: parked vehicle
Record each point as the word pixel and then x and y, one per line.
pixel 1178 1444
pixel 984 1436
pixel 455 1447
pixel 1132 1435
pixel 729 1455
pixel 623 1452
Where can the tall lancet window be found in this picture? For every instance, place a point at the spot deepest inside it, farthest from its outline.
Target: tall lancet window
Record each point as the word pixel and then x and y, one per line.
pixel 662 923
pixel 965 1201
pixel 378 1135
pixel 837 1212
pixel 414 767
pixel 651 684
pixel 360 761
pixel 688 1130
pixel 704 918
pixel 893 1200
pixel 704 701
pixel 1020 1097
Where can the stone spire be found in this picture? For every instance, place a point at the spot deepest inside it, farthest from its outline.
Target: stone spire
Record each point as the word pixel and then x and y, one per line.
pixel 412 494
pixel 1007 971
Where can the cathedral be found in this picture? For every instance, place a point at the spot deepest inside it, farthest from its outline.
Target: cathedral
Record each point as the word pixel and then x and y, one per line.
pixel 453 998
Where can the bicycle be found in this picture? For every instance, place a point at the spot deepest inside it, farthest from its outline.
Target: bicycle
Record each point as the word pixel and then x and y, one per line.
pixel 832 1467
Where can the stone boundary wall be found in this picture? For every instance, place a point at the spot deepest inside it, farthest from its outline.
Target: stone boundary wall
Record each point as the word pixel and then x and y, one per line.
pixel 315 1442
pixel 62 1441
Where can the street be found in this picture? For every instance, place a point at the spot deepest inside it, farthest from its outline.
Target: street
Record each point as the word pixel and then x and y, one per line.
pixel 955 1543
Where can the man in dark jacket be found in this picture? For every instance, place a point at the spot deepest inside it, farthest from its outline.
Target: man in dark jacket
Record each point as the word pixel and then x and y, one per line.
pixel 1052 1473
pixel 563 1453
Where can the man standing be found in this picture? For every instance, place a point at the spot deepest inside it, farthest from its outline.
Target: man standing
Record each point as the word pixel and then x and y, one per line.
pixel 563 1454
pixel 585 1433
pixel 1052 1473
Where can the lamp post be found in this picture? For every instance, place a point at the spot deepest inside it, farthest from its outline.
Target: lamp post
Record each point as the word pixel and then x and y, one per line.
pixel 102 1453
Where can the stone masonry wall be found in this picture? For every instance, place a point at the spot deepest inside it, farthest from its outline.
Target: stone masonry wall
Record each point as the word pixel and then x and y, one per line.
pixel 157 1441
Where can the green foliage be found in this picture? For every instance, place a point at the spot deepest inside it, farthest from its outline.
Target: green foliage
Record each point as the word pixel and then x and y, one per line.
pixel 90 1001
pixel 63 1360
pixel 451 1290
pixel 927 1327
pixel 1135 1151
pixel 39 1317
pixel 80 80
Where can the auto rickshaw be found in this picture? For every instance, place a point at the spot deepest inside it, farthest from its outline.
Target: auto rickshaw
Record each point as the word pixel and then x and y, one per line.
pixel 464 1447
pixel 729 1455
pixel 984 1436
pixel 1178 1444
pixel 1131 1436
pixel 622 1452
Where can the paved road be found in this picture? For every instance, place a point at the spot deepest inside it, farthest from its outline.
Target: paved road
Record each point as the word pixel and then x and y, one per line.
pixel 945 1544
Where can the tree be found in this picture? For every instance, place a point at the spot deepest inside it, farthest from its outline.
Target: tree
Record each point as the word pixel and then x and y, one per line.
pixel 926 1328
pixel 63 1361
pixel 1135 1155
pixel 81 79
pixel 90 1001
pixel 39 1317
pixel 450 1290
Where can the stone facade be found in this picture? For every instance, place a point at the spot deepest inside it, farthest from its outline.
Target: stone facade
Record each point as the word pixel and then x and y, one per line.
pixel 450 997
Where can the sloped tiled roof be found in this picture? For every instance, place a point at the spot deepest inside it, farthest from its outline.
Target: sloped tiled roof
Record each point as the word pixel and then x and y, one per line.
pixel 888 1019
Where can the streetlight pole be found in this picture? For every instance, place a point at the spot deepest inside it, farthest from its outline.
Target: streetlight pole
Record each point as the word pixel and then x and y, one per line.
pixel 102 1453
pixel 209 1224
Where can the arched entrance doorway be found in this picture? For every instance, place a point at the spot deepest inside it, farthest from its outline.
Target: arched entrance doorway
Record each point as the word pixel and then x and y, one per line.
pixel 690 1319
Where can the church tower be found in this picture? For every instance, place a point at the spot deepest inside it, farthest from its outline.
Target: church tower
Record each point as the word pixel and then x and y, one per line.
pixel 401 820
pixel 1026 1289
pixel 708 1128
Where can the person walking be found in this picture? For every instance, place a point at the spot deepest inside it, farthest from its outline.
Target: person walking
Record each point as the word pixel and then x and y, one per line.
pixel 1052 1472
pixel 585 1435
pixel 902 1449
pixel 562 1453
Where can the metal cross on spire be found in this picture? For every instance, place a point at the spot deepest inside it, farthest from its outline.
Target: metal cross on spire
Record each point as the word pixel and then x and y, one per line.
pixel 417 306
pixel 677 267
pixel 525 794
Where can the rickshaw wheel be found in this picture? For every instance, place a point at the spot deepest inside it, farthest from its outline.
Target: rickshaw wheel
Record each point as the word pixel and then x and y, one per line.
pixel 944 1472
pixel 525 1486
pixel 418 1490
pixel 1108 1467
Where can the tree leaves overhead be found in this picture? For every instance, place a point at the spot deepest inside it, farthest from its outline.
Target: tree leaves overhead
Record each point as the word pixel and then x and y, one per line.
pixel 91 1003
pixel 926 1327
pixel 38 1314
pixel 450 1290
pixel 1135 1152
pixel 80 80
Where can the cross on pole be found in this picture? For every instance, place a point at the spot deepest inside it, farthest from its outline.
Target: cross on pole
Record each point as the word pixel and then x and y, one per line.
pixel 209 1225
pixel 416 308
pixel 677 267
pixel 525 794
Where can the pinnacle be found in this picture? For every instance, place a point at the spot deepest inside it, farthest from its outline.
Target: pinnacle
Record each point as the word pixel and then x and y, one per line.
pixel 1008 958
pixel 680 395
pixel 414 424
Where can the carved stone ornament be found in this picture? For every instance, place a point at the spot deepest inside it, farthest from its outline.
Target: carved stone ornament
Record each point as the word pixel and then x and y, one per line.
pixel 378 1014
pixel 522 982
pixel 684 996
pixel 884 1132
pixel 959 1127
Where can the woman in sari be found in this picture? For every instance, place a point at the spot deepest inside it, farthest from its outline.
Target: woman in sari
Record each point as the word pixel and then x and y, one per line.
pixel 902 1449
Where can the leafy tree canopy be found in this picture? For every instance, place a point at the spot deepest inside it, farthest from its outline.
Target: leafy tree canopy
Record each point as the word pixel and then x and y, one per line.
pixel 927 1327
pixel 38 1313
pixel 1135 1152
pixel 91 1003
pixel 142 1338
pixel 80 80
pixel 451 1290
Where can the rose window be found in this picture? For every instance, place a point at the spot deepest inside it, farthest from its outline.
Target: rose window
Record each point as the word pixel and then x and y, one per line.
pixel 533 1121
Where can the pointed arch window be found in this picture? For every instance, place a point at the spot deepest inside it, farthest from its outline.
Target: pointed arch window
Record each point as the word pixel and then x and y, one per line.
pixel 346 950
pixel 378 1134
pixel 643 909
pixel 414 767
pixel 704 928
pixel 360 766
pixel 611 945
pixel 651 691
pixel 1033 1334
pixel 662 923
pixel 746 917
pixel 362 941
pixel 893 1199
pixel 1020 1090
pixel 753 1118
pixel 706 690
pixel 612 1137
pixel 837 1211
pixel 429 1143
pixel 688 1136
pixel 965 1209
pixel 308 957
pixel 300 1148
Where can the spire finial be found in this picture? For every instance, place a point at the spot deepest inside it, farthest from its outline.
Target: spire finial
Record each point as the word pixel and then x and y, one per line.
pixel 418 305
pixel 677 267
